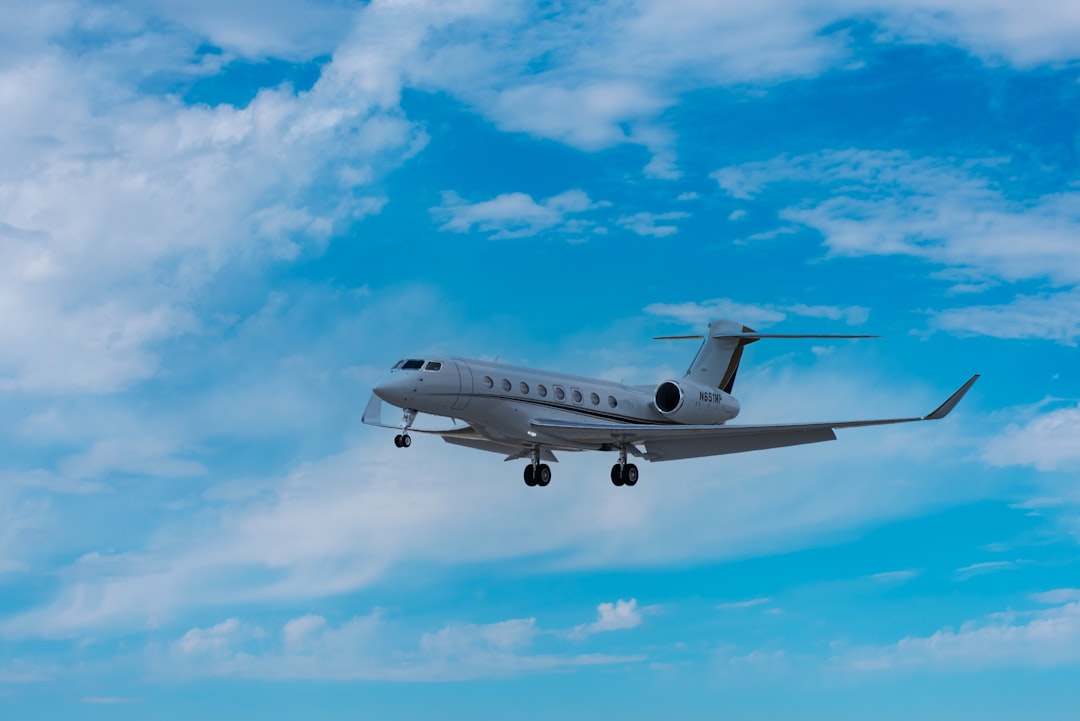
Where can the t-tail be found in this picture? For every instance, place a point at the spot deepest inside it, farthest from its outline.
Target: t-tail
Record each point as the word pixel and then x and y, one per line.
pixel 717 360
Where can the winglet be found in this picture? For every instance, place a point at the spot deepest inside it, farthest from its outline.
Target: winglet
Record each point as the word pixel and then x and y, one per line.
pixel 945 408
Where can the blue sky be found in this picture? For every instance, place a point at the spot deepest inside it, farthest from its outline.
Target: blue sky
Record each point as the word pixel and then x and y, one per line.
pixel 221 223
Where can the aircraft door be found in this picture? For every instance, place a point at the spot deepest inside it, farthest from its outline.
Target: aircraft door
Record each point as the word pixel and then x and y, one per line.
pixel 465 387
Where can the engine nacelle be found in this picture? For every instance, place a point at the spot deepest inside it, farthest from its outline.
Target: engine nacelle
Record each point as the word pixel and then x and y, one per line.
pixel 689 403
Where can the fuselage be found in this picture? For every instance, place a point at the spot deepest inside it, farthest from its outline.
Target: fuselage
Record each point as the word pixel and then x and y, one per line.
pixel 500 400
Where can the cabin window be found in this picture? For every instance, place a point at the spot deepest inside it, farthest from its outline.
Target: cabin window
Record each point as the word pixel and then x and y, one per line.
pixel 505 384
pixel 524 387
pixel 576 395
pixel 595 399
pixel 560 394
pixel 412 365
pixel 433 366
pixel 542 390
pixel 488 382
pixel 612 402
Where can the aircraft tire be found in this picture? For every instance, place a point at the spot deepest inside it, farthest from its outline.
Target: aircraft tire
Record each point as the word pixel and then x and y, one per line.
pixel 543 474
pixel 616 475
pixel 397 440
pixel 530 480
pixel 406 441
pixel 630 475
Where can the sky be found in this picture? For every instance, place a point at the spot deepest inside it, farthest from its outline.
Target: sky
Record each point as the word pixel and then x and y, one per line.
pixel 221 223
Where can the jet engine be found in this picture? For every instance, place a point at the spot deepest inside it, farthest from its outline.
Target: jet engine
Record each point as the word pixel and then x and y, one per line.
pixel 692 404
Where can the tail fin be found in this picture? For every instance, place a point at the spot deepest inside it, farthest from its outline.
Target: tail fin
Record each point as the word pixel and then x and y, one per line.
pixel 717 361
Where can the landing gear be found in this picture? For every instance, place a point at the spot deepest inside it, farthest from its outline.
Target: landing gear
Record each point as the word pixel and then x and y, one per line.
pixel 403 440
pixel 616 475
pixel 623 473
pixel 537 473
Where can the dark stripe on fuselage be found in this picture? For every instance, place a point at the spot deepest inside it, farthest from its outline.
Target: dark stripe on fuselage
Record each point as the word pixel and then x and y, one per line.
pixel 571 408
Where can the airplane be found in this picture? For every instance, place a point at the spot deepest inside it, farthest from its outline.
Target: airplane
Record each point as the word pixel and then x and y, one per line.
pixel 526 413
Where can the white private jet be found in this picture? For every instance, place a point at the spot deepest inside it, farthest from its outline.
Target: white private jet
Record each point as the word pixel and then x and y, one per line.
pixel 526 413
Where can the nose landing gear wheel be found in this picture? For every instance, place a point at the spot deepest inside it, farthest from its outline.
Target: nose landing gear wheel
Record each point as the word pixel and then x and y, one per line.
pixel 530 480
pixel 616 475
pixel 402 441
pixel 543 474
pixel 630 475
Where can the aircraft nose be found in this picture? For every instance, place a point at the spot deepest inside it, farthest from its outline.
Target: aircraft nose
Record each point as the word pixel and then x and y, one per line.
pixel 391 389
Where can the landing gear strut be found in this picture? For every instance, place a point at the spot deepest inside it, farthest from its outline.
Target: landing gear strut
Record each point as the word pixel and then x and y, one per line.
pixel 623 473
pixel 537 473
pixel 403 439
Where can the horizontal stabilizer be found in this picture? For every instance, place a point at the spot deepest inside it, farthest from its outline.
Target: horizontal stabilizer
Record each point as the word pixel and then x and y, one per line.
pixel 758 336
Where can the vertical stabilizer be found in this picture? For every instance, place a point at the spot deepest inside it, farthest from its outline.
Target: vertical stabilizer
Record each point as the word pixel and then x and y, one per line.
pixel 717 360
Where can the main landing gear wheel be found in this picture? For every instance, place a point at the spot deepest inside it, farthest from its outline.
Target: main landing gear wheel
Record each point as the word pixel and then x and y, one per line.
pixel 616 475
pixel 539 475
pixel 403 440
pixel 624 475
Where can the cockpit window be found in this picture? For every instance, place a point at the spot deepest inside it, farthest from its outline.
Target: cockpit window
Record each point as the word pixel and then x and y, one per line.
pixel 398 365
pixel 412 365
pixel 433 366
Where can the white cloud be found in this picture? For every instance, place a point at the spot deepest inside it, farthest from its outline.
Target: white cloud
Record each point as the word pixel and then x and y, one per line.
pixel 650 223
pixel 757 315
pixel 617 616
pixel 117 209
pixel 298 630
pixel 513 215
pixel 108 700
pixel 1054 316
pixel 371 648
pixel 215 638
pixel 997 31
pixel 458 640
pixel 1049 637
pixel 737 605
pixel 296 30
pixel 1048 441
pixel 889 203
pixel 945 212
pixel 893 576
pixel 18 671
pixel 1057 596
pixel 979 569
pixel 610 69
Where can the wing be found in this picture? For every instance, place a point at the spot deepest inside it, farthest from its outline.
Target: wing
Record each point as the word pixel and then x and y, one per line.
pixel 672 442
